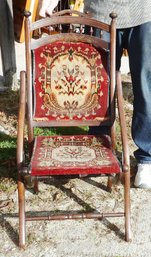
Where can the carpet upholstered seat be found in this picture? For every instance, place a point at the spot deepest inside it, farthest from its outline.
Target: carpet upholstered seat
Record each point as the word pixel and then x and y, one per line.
pixel 69 155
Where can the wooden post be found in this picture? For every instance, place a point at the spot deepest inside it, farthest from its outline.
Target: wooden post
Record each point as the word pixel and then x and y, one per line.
pixel 7 44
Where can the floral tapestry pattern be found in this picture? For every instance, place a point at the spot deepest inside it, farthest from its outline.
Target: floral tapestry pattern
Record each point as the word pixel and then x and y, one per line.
pixel 70 82
pixel 59 153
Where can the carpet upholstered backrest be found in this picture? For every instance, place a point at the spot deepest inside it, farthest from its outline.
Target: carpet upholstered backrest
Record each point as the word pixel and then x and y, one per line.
pixel 70 82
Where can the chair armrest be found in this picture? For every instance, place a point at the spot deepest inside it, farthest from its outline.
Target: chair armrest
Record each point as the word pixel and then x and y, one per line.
pixel 124 138
pixel 21 120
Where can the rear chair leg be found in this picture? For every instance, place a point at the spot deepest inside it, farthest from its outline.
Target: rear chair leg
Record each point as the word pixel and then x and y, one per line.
pixel 36 189
pixel 22 225
pixel 109 183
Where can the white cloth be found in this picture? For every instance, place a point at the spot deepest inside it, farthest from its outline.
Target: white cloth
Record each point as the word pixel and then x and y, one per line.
pixel 47 7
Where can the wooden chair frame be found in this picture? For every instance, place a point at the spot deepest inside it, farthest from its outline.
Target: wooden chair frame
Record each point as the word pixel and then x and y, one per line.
pixel 65 17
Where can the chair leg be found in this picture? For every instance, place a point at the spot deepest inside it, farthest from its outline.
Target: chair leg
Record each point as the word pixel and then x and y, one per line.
pixel 109 183
pixel 22 225
pixel 36 189
pixel 128 236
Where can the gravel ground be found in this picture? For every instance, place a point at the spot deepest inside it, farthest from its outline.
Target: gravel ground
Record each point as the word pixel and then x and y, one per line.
pixel 84 238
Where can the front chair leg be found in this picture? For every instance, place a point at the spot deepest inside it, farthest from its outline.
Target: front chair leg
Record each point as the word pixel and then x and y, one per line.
pixel 127 207
pixel 22 225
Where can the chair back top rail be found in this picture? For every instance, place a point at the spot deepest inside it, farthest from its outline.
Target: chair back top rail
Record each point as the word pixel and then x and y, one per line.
pixel 70 12
pixel 67 18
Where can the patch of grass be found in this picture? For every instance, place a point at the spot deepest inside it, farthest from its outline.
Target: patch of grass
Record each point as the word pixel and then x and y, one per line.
pixel 7 147
pixel 60 131
pixel 8 167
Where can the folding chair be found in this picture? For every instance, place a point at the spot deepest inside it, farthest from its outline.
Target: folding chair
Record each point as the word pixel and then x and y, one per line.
pixel 70 81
